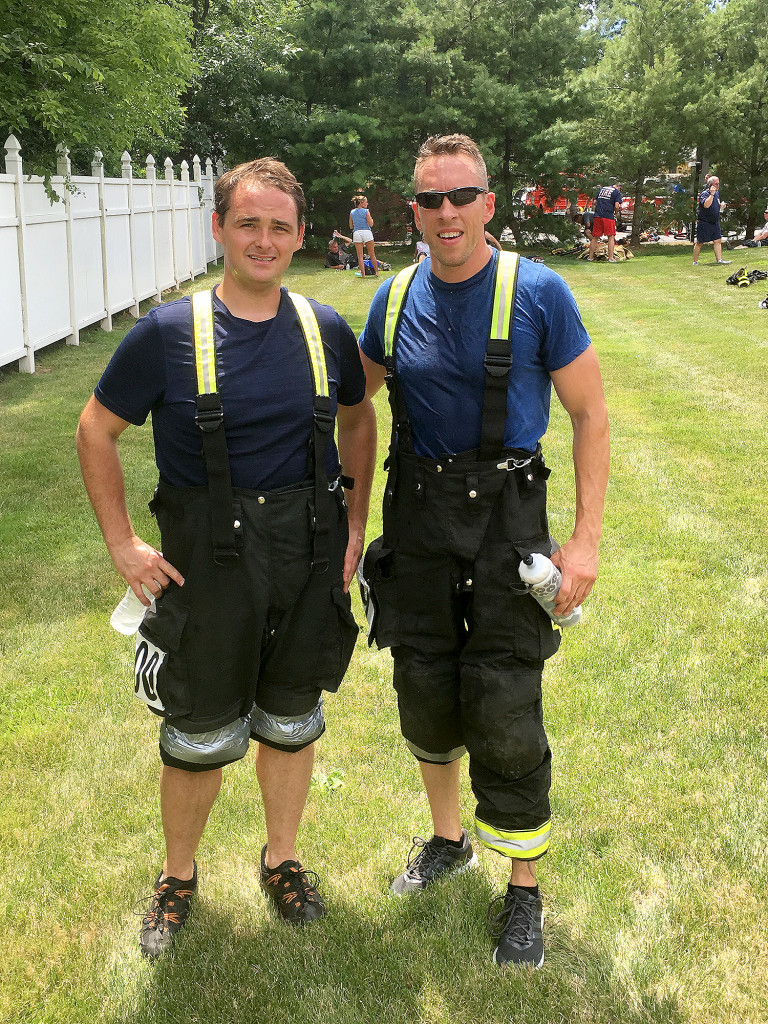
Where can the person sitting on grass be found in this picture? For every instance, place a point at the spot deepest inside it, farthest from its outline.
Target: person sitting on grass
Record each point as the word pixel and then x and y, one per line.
pixel 759 238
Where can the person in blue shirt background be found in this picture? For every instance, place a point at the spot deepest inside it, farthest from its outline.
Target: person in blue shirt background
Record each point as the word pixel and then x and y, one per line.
pixel 708 221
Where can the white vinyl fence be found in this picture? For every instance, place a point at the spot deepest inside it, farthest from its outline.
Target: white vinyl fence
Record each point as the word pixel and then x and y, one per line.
pixel 106 245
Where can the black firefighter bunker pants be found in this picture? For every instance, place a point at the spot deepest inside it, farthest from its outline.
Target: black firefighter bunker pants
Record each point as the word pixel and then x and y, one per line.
pixel 468 642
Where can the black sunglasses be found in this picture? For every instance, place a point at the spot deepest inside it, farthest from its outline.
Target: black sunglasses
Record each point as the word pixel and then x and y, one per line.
pixel 456 197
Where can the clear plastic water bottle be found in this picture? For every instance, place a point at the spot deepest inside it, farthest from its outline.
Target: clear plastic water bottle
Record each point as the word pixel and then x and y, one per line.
pixel 128 615
pixel 543 579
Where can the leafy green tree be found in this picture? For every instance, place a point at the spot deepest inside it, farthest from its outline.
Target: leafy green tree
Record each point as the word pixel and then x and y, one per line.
pixel 104 75
pixel 646 90
pixel 236 100
pixel 736 135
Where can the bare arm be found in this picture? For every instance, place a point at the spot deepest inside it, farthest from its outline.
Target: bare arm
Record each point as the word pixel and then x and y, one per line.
pixel 369 218
pixel 138 563
pixel 374 375
pixel 580 389
pixel 344 238
pixel 357 451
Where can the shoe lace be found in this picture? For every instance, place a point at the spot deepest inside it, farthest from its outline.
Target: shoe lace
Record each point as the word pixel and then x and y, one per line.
pixel 303 884
pixel 158 915
pixel 423 855
pixel 515 919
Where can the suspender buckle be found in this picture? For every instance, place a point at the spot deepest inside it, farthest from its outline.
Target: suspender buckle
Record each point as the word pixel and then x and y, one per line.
pixel 209 420
pixel 497 366
pixel 323 415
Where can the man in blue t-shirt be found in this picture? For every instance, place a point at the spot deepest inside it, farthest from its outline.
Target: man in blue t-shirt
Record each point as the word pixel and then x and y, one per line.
pixel 607 206
pixel 708 221
pixel 465 502
pixel 250 618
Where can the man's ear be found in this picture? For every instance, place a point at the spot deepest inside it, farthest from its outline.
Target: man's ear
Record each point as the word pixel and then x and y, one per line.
pixel 216 226
pixel 415 208
pixel 300 239
pixel 490 206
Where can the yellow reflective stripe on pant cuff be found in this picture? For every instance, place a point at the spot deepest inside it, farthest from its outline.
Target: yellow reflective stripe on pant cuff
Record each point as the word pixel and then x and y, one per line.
pixel 524 845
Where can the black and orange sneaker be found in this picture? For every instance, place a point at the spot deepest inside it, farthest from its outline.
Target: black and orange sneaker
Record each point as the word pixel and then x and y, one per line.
pixel 290 889
pixel 169 908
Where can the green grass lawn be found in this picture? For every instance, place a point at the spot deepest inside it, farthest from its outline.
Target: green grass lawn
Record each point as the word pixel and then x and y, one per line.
pixel 655 886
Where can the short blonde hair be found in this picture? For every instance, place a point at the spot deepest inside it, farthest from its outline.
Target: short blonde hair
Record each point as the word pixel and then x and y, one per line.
pixel 450 145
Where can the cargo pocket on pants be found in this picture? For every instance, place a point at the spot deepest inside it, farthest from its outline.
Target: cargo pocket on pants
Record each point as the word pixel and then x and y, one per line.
pixel 378 590
pixel 160 679
pixel 338 643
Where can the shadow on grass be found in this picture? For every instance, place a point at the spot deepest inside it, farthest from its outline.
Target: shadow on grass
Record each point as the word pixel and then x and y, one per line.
pixel 422 959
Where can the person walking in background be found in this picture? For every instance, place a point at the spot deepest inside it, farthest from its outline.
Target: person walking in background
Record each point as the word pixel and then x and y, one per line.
pixel 251 620
pixel 470 343
pixel 708 221
pixel 361 223
pixel 607 206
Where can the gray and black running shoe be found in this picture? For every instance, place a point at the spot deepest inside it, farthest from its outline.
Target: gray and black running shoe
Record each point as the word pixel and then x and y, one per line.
pixel 431 860
pixel 516 920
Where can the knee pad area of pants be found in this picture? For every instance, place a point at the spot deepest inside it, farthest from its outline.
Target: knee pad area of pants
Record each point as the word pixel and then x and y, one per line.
pixel 288 732
pixel 216 747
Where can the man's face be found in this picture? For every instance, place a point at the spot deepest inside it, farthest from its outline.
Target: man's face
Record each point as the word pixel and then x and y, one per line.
pixel 715 182
pixel 333 247
pixel 455 234
pixel 259 234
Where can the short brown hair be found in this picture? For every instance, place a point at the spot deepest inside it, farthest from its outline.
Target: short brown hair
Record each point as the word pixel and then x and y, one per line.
pixel 267 172
pixel 450 145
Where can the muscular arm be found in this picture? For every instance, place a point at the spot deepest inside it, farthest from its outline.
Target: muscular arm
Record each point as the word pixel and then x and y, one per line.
pixel 138 563
pixel 580 389
pixel 374 375
pixel 357 451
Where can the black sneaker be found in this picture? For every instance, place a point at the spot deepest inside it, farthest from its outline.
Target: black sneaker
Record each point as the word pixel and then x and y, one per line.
pixel 764 303
pixel 516 919
pixel 290 889
pixel 757 275
pixel 169 908
pixel 435 859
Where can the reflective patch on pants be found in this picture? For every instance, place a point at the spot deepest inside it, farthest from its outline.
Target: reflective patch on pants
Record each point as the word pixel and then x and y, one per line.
pixel 149 660
pixel 288 730
pixel 224 745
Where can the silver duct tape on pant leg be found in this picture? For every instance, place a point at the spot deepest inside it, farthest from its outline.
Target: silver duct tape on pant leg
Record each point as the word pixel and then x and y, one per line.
pixel 444 758
pixel 229 743
pixel 288 730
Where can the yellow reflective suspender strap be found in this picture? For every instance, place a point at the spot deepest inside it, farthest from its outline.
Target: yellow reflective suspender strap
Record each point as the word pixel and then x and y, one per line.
pixel 498 357
pixel 312 338
pixel 401 431
pixel 322 429
pixel 503 294
pixel 209 418
pixel 205 345
pixel 395 301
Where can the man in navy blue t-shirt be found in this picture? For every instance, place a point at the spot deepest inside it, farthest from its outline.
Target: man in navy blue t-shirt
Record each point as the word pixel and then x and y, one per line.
pixel 250 619
pixel 607 206
pixel 708 221
pixel 465 502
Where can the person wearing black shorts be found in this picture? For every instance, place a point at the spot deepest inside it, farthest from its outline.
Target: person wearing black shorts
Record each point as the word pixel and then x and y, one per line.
pixel 708 222
pixel 260 531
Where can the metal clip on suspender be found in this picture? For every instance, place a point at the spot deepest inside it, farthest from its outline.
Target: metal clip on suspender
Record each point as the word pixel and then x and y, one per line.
pixel 209 417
